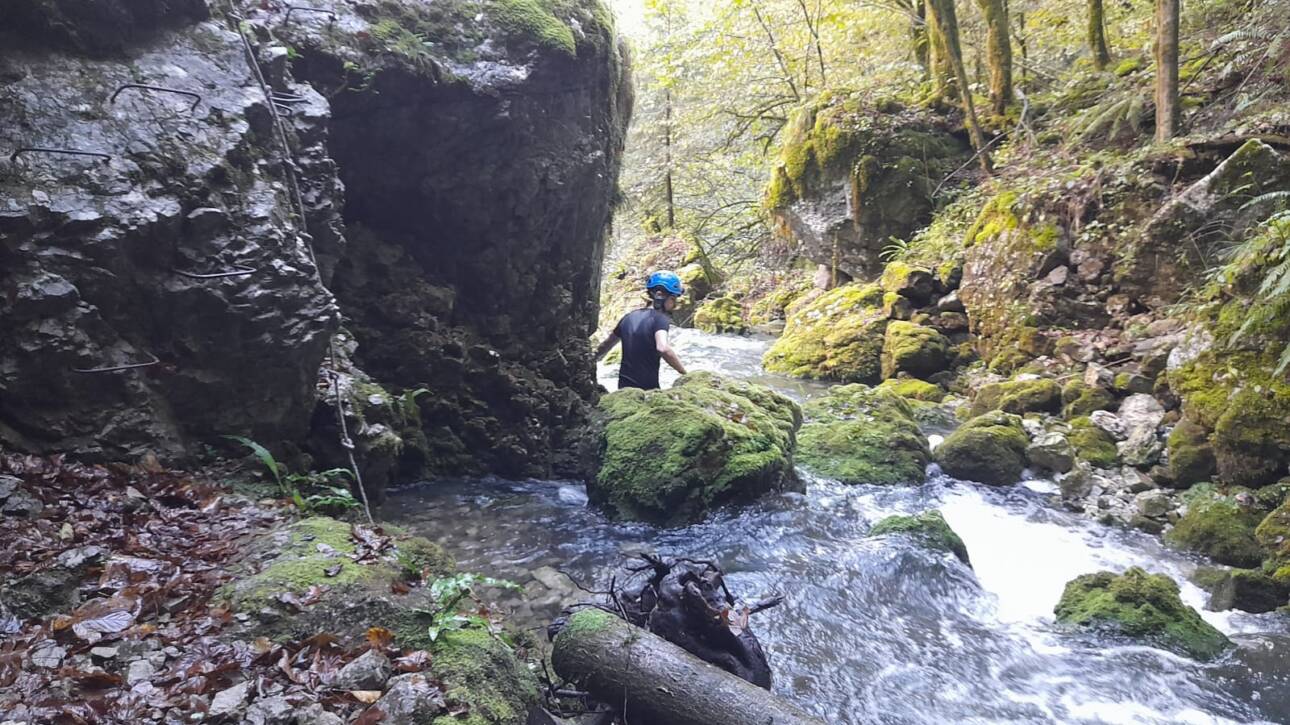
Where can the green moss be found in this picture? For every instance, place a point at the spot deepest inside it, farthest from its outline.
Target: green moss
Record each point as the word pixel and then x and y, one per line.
pixel 671 455
pixel 1128 65
pixel 1041 395
pixel 480 671
pixel 858 434
pixel 1142 606
pixel 535 19
pixel 419 557
pixel 723 314
pixel 913 349
pixel 837 336
pixel 1092 444
pixel 299 565
pixel 996 217
pixel 585 622
pixel 929 528
pixel 1239 397
pixel 989 448
pixel 1080 399
pixel 1273 537
pixel 914 389
pixel 907 280
pixel 1219 527
pixel 1191 457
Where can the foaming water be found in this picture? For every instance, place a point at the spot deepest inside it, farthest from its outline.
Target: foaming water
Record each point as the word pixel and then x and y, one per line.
pixel 874 629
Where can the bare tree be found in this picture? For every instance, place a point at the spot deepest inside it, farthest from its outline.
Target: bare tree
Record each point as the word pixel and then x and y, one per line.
pixel 998 53
pixel 1097 35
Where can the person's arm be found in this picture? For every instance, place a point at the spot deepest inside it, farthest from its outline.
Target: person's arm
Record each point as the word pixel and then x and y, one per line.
pixel 666 352
pixel 606 346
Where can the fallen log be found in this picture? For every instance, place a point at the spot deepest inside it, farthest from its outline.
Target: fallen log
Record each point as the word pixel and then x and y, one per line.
pixel 654 681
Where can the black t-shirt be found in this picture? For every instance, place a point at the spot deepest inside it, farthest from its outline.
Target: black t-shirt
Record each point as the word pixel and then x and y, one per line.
pixel 640 352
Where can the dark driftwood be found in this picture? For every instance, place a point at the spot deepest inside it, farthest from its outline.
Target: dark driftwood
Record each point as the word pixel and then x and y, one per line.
pixel 657 683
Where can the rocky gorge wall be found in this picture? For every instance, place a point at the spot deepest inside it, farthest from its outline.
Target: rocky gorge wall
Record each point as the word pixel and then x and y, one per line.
pixel 455 164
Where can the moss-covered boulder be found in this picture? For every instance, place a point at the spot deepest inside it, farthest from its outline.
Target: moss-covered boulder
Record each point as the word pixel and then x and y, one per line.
pixel 1040 395
pixel 1273 538
pixel 1249 590
pixel 1239 397
pixel 914 283
pixel 1142 606
pixel 858 434
pixel 989 448
pixel 723 314
pixel 1219 526
pixel 1080 399
pixel 670 456
pixel 852 174
pixel 480 671
pixel 914 389
pixel 1191 457
pixel 838 336
pixel 1092 444
pixel 928 528
pixel 312 551
pixel 913 349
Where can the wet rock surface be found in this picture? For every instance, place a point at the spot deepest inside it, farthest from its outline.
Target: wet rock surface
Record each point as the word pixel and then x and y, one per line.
pixel 97 253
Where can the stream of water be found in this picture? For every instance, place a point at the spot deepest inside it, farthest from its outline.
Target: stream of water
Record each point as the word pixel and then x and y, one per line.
pixel 873 630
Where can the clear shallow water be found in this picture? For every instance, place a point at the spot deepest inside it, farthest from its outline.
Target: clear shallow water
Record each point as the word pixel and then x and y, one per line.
pixel 873 630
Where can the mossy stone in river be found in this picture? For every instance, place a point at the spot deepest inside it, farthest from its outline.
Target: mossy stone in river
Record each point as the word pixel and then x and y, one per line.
pixel 928 528
pixel 670 456
pixel 838 336
pixel 1079 399
pixel 858 434
pixel 1092 444
pixel 481 671
pixel 1142 606
pixel 1040 395
pixel 1273 538
pixel 914 349
pixel 723 314
pixel 1191 457
pixel 1218 526
pixel 914 389
pixel 989 448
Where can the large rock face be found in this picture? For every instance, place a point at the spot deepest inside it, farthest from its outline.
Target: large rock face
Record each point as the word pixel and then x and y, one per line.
pixel 96 254
pixel 479 143
pixel 851 177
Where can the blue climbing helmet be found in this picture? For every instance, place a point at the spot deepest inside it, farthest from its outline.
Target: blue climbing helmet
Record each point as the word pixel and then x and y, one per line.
pixel 666 281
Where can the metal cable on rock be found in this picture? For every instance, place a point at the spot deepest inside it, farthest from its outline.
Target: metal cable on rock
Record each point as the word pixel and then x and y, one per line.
pixel 293 187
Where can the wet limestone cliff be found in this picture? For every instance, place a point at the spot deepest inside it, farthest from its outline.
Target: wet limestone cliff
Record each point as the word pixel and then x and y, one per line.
pixel 454 163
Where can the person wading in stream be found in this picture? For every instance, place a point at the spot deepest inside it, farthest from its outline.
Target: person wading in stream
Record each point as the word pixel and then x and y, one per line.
pixel 643 333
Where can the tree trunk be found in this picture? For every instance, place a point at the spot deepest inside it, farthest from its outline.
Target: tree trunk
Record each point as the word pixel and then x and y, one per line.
pixel 938 56
pixel 656 682
pixel 1166 69
pixel 947 26
pixel 918 33
pixel 667 151
pixel 1097 35
pixel 998 54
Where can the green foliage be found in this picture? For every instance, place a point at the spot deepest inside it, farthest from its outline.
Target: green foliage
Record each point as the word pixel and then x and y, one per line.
pixel 312 492
pixel 456 606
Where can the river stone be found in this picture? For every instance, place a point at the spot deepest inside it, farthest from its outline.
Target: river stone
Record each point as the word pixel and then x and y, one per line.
pixel 989 448
pixel 858 434
pixel 1051 451
pixel 316 715
pixel 1110 423
pixel 368 672
pixel 671 456
pixel 928 528
pixel 1249 590
pixel 1141 606
pixel 139 671
pixel 8 484
pixel 1140 414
